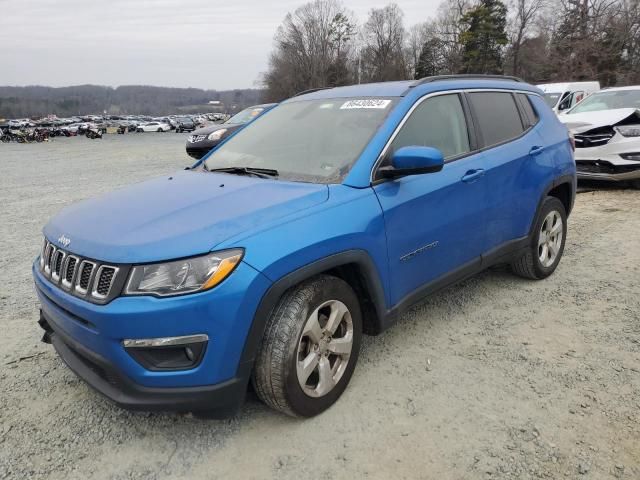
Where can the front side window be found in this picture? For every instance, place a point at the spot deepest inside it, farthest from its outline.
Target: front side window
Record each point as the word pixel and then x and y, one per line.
pixel 577 96
pixel 498 117
pixel 437 122
pixel 566 102
pixel 307 140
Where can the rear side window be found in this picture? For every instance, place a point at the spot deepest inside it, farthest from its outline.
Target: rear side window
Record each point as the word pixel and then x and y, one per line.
pixel 437 122
pixel 498 117
pixel 530 117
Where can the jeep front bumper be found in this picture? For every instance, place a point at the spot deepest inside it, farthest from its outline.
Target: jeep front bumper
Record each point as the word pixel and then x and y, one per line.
pixel 90 340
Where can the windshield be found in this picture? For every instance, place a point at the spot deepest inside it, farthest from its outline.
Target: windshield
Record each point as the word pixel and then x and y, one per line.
pixel 609 100
pixel 551 98
pixel 314 140
pixel 246 115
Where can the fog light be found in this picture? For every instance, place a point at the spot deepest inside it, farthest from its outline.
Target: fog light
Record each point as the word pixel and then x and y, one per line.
pixel 168 353
pixel 631 156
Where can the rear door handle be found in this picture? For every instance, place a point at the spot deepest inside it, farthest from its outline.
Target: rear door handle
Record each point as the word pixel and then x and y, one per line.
pixel 536 150
pixel 472 175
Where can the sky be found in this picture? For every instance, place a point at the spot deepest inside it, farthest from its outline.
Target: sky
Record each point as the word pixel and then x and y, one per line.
pixel 209 44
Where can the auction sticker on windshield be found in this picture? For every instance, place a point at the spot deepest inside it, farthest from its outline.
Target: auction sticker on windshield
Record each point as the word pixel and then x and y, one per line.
pixel 366 103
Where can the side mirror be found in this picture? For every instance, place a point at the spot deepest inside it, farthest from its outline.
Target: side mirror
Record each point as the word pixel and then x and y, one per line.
pixel 413 161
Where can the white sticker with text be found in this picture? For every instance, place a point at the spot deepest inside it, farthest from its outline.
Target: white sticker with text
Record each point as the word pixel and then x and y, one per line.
pixel 365 103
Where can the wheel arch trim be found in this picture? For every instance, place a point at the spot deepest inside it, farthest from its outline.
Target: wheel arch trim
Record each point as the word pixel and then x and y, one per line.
pixel 561 180
pixel 270 299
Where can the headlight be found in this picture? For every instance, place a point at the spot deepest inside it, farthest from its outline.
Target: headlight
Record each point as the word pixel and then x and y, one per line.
pixel 629 130
pixel 217 135
pixel 183 276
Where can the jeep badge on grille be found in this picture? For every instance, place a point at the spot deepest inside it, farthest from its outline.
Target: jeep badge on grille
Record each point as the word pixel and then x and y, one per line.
pixel 64 241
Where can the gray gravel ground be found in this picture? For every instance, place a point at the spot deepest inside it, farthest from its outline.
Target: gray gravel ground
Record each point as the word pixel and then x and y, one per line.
pixel 497 377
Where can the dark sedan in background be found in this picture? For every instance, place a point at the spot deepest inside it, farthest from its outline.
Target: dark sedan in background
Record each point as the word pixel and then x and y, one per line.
pixel 204 139
pixel 185 124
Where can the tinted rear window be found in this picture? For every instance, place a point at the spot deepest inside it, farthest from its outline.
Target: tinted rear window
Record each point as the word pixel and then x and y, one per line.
pixel 497 115
pixel 531 117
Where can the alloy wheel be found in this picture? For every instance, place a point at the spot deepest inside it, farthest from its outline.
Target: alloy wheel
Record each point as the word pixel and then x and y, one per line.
pixel 550 238
pixel 324 348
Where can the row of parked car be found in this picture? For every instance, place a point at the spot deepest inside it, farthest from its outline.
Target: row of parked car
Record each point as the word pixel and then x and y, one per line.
pixel 44 128
pixel 605 125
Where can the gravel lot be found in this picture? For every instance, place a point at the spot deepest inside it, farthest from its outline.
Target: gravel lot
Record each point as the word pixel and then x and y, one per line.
pixel 497 377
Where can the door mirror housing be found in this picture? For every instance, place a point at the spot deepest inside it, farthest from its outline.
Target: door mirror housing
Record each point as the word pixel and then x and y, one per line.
pixel 413 161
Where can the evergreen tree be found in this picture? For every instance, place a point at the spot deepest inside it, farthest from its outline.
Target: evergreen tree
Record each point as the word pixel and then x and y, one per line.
pixel 484 37
pixel 430 61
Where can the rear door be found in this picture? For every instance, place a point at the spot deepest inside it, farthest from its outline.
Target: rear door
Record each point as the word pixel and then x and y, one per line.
pixel 434 222
pixel 511 148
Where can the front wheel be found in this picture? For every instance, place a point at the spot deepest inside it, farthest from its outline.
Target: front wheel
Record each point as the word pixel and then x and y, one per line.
pixel 310 347
pixel 546 243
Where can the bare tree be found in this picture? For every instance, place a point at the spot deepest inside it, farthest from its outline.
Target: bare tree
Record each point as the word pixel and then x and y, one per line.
pixel 382 55
pixel 449 26
pixel 417 36
pixel 522 21
pixel 312 49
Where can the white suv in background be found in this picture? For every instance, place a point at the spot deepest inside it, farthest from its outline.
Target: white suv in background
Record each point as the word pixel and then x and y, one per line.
pixel 606 127
pixel 563 96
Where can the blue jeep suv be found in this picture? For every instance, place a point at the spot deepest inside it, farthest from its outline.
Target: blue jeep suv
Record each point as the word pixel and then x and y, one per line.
pixel 320 222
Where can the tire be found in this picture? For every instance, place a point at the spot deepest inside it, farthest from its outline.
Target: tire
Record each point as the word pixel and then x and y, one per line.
pixel 539 262
pixel 635 184
pixel 159 130
pixel 286 342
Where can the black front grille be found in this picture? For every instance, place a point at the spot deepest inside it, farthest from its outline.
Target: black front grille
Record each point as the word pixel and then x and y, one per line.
pixel 58 264
pixel 105 280
pixel 85 275
pixel 82 277
pixel 594 138
pixel 71 267
pixel 49 254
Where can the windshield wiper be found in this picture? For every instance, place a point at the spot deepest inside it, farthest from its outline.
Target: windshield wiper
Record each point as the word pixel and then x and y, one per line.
pixel 258 172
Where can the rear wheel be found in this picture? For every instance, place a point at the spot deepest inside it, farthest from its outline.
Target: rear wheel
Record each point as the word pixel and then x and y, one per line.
pixel 310 347
pixel 546 243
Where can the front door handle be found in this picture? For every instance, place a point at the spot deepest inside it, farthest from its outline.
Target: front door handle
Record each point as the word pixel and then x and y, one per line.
pixel 536 150
pixel 473 175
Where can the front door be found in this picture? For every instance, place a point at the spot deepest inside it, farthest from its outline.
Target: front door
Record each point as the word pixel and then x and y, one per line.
pixel 434 222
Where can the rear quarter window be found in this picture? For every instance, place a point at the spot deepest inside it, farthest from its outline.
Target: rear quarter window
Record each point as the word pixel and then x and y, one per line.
pixel 530 116
pixel 498 117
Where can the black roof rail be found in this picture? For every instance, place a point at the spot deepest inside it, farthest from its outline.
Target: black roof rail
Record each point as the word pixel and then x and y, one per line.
pixel 311 90
pixel 466 76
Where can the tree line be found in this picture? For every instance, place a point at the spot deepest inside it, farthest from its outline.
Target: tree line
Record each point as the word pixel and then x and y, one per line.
pixel 321 44
pixel 34 101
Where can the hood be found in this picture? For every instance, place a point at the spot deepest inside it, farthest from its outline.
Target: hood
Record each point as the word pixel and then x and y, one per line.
pixel 581 122
pixel 217 126
pixel 186 214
